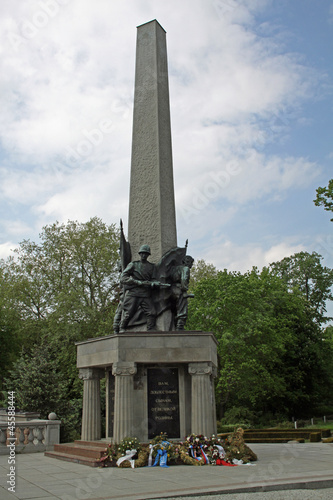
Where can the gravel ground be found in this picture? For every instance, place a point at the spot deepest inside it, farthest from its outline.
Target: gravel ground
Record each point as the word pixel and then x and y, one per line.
pixel 321 494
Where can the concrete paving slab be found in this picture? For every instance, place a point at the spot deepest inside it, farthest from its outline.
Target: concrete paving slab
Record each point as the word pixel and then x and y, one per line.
pixel 280 467
pixel 326 494
pixel 32 492
pixel 50 497
pixel 47 483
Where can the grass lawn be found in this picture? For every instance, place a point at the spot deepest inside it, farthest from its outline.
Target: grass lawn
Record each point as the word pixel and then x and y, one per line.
pixel 328 425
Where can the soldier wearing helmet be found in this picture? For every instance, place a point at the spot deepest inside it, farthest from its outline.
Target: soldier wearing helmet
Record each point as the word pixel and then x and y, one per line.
pixel 180 276
pixel 144 249
pixel 138 280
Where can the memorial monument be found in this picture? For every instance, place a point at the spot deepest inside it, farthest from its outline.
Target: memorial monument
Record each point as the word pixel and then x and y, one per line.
pixel 159 377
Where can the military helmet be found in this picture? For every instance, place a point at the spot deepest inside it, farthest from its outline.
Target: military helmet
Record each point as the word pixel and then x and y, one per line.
pixel 145 249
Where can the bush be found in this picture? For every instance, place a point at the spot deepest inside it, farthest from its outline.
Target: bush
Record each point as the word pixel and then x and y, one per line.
pixel 286 425
pixel 321 410
pixel 302 423
pixel 268 419
pixel 239 416
pixel 40 386
pixel 70 429
pixel 222 429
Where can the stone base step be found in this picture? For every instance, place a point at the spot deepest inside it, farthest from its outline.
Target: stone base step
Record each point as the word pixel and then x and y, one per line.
pixel 98 444
pixel 272 440
pixel 81 452
pixel 92 462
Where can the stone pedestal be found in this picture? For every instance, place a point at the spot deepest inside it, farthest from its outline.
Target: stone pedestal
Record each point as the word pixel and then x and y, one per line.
pixel 163 382
pixel 91 411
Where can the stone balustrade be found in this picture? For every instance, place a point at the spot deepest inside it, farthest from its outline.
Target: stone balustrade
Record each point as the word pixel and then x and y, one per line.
pixel 31 436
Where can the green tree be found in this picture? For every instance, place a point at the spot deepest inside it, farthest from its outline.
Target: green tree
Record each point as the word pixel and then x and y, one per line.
pixel 40 385
pixel 202 270
pixel 37 376
pixel 269 347
pixel 63 290
pixel 237 309
pixel 9 331
pixel 325 197
pixel 70 274
pixel 307 366
pixel 304 271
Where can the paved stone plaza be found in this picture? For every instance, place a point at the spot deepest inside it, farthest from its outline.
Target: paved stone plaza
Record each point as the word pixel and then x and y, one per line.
pixel 280 467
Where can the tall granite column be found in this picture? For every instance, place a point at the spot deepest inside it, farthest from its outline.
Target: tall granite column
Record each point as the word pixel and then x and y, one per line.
pixel 123 400
pixel 91 410
pixel 152 218
pixel 203 419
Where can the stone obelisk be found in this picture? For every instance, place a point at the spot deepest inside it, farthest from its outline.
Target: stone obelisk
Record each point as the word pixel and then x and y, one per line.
pixel 157 381
pixel 152 218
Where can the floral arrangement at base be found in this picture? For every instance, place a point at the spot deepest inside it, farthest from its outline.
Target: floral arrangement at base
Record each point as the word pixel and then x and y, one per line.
pixel 142 460
pixel 194 450
pixel 127 446
pixel 216 450
pixel 200 450
pixel 161 451
pixel 109 458
pixel 129 443
pixel 175 450
pixel 131 447
pixel 185 457
pixel 236 448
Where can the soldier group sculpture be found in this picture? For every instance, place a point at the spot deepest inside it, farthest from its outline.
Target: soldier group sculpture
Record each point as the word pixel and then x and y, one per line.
pixel 149 290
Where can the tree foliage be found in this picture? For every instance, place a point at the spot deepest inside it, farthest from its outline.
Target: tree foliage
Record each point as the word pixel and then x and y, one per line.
pixel 202 270
pixel 324 197
pixel 304 271
pixel 270 347
pixel 61 290
pixel 71 274
pixel 274 355
pixel 41 385
pixel 9 330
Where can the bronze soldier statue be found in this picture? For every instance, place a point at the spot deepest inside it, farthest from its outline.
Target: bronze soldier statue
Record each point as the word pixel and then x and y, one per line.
pixel 138 281
pixel 180 276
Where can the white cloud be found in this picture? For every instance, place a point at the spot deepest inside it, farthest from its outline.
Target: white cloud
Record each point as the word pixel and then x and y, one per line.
pixel 242 180
pixel 56 86
pixel 6 249
pixel 230 256
pixel 232 93
pixel 16 228
pixel 280 251
pixel 86 194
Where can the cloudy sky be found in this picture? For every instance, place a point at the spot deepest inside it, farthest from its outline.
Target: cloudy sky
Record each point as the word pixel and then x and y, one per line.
pixel 251 85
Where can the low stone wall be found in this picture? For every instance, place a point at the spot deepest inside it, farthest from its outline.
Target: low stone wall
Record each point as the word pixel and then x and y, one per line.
pixel 282 435
pixel 285 433
pixel 30 436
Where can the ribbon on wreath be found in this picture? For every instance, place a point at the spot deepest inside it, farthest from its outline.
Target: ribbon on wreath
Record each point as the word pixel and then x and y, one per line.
pixel 150 458
pixel 204 456
pixel 128 456
pixel 162 455
pixel 193 453
pixel 220 461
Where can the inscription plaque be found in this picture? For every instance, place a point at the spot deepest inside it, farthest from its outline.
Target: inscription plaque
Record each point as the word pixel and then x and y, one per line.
pixel 163 402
